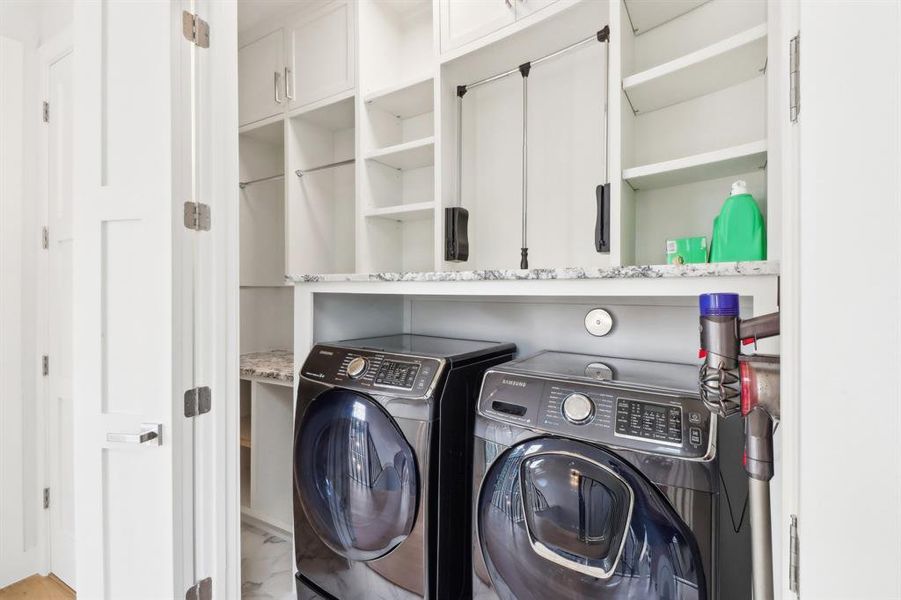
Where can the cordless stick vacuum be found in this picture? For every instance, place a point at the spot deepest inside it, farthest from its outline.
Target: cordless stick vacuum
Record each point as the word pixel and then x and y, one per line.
pixel 731 382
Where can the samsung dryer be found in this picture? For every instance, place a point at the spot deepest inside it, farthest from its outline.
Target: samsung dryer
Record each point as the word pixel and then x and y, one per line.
pixel 382 458
pixel 595 478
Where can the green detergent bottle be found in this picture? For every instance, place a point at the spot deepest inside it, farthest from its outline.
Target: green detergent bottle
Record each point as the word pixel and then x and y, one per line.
pixel 739 232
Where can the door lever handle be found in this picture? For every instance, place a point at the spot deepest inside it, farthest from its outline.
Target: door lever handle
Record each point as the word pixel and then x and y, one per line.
pixel 149 432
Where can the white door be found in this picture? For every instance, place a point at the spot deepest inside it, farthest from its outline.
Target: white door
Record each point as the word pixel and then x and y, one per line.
pixel 20 550
pixel 261 75
pixel 463 21
pixel 59 408
pixel 321 46
pixel 524 8
pixel 131 71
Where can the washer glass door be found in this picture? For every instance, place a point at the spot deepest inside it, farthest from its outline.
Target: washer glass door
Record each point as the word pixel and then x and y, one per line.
pixel 562 518
pixel 355 475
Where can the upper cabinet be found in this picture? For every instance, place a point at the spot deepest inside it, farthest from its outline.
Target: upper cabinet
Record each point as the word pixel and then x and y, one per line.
pixel 311 59
pixel 261 93
pixel 463 22
pixel 321 54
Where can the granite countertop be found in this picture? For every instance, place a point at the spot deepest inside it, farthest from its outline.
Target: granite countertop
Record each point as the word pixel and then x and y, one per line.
pixel 277 365
pixel 725 269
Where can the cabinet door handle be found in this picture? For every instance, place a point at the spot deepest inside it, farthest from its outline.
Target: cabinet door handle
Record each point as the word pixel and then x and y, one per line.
pixel 149 432
pixel 289 84
pixel 278 98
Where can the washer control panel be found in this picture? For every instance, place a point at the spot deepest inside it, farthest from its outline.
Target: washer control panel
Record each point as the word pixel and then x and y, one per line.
pixel 373 371
pixel 663 422
pixel 397 374
pixel 650 421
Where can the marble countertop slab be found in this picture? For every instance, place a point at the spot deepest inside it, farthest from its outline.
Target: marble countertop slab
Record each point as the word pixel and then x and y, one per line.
pixel 725 269
pixel 277 365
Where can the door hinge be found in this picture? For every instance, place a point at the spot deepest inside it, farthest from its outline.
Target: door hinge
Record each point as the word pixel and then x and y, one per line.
pixel 197 216
pixel 45 112
pixel 45 237
pixel 45 365
pixel 794 78
pixel 195 29
pixel 794 570
pixel 202 590
pixel 197 401
pixel 46 498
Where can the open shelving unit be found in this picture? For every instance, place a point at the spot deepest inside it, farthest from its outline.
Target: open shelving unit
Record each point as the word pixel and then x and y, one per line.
pixel 262 204
pixel 397 208
pixel 321 201
pixel 694 104
pixel 687 87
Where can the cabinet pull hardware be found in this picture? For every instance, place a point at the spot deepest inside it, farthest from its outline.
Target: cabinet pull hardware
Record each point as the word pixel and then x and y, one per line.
pixel 278 98
pixel 289 85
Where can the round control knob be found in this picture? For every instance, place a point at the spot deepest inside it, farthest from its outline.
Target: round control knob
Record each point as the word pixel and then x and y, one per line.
pixel 578 408
pixel 357 367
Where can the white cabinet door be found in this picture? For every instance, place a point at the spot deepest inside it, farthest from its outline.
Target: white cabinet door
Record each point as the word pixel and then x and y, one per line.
pixel 463 21
pixel 322 57
pixel 261 78
pixel 524 8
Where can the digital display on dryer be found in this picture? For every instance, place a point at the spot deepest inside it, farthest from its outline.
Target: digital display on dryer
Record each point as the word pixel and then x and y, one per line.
pixel 397 374
pixel 645 420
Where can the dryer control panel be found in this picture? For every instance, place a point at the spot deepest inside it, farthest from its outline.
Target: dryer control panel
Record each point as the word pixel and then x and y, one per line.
pixel 661 422
pixel 372 371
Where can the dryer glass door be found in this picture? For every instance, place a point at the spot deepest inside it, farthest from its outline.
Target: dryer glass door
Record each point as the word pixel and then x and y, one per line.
pixel 355 475
pixel 563 518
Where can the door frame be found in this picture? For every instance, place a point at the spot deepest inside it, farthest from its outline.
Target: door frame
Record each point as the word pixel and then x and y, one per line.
pixel 217 482
pixel 48 53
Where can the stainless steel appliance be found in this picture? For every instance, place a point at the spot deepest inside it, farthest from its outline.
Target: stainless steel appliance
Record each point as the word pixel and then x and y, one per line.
pixel 595 477
pixel 382 452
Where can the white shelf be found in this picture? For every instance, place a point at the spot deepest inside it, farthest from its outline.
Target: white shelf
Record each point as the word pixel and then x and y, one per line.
pixel 334 114
pixel 410 155
pixel 716 67
pixel 700 167
pixel 645 15
pixel 268 131
pixel 416 211
pixel 408 99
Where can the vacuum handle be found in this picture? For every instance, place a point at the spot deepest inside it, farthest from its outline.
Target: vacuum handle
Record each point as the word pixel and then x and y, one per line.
pixel 602 222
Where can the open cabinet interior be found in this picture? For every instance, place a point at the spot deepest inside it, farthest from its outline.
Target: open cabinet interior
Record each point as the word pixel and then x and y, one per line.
pixel 694 106
pixel 397 137
pixel 551 171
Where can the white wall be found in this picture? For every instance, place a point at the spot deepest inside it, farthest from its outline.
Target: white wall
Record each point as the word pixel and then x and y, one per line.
pixel 850 298
pixel 21 516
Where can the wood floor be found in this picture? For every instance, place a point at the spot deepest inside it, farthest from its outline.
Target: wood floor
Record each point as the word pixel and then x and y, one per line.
pixel 38 587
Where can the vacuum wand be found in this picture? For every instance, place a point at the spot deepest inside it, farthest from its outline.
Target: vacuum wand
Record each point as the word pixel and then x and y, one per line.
pixel 731 382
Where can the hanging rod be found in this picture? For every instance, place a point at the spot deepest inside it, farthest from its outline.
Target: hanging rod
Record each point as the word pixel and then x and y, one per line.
pixel 244 184
pixel 340 163
pixel 601 36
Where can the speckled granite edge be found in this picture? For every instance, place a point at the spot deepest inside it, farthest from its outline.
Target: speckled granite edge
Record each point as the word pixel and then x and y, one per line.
pixel 277 365
pixel 727 269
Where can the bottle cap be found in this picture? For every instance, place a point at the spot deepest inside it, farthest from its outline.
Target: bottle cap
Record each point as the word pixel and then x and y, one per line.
pixel 739 187
pixel 718 305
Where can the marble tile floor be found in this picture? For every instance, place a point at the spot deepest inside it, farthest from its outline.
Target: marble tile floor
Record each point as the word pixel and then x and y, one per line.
pixel 266 565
